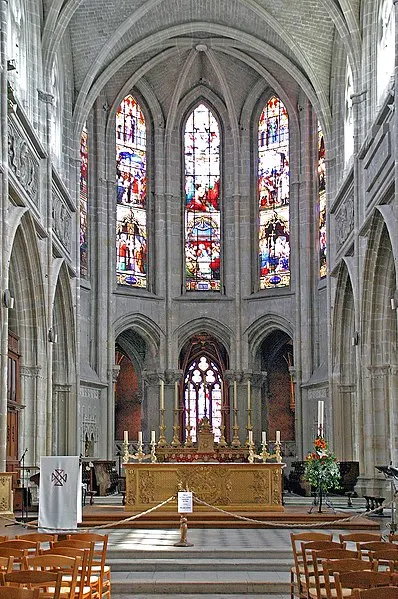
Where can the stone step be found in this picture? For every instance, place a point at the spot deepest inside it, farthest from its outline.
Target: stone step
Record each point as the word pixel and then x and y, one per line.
pixel 195 565
pixel 196 596
pixel 189 553
pixel 206 582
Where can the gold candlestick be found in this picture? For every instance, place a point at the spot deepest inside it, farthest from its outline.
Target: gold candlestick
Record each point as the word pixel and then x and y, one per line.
pixel 154 459
pixel 249 427
pixel 176 441
pixel 188 440
pixel 162 427
pixel 139 455
pixel 235 440
pixel 222 442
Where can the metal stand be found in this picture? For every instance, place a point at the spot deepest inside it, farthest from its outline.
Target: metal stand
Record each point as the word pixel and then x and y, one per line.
pixel 391 474
pixel 318 498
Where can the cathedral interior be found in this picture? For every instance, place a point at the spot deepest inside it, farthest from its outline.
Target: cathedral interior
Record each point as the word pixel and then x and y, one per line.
pixel 199 221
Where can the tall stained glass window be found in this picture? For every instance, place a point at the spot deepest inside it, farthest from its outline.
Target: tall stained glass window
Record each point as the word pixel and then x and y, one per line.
pixel 273 196
pixel 83 202
pixel 202 201
pixel 203 395
pixel 322 203
pixel 385 46
pixel 131 217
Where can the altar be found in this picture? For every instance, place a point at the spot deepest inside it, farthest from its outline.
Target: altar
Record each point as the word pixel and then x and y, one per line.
pixel 235 487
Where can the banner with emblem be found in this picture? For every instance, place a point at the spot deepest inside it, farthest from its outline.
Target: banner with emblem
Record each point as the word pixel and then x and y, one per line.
pixel 60 493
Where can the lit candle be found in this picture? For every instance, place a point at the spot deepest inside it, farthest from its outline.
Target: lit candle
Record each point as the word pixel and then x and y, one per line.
pixel 161 394
pixel 140 437
pixel 235 397
pixel 250 437
pixel 153 437
pixel 126 436
pixel 176 395
pixel 248 395
pixel 263 438
pixel 278 436
pixel 321 406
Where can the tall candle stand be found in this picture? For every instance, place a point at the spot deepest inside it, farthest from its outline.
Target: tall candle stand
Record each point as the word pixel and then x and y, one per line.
pixel 222 442
pixel 188 439
pixel 176 441
pixel 235 439
pixel 162 427
pixel 139 455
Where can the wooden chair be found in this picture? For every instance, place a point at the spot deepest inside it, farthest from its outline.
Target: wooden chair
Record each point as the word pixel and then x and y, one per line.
pixel 16 554
pixel 44 539
pixel 345 581
pixel 49 583
pixel 376 593
pixel 68 566
pixel 18 593
pixel 6 563
pixel 323 585
pixel 83 578
pixel 99 566
pixel 87 579
pixel 309 583
pixel 297 574
pixel 385 559
pixel 31 547
pixel 366 548
pixel 359 538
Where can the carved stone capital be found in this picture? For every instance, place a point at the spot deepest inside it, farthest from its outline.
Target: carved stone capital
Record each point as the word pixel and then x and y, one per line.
pixel 30 371
pixel 45 97
pixel 151 377
pixel 173 376
pixel 114 372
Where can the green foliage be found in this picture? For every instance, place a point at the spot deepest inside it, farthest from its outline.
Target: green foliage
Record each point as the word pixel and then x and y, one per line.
pixel 321 467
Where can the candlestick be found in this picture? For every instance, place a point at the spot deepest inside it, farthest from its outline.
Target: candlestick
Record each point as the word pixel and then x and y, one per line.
pixel 235 397
pixel 248 395
pixel 321 405
pixel 263 438
pixel 153 437
pixel 126 436
pixel 278 436
pixel 161 394
pixel 140 437
pixel 251 437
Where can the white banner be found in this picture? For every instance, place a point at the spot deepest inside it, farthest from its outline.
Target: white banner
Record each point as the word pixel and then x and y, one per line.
pixel 60 500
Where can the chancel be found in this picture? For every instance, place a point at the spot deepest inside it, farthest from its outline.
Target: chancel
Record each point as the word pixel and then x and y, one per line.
pixel 198 243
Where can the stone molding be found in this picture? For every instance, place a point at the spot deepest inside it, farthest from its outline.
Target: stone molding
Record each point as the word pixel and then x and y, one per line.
pixel 61 220
pixel 344 221
pixel 30 371
pixel 23 163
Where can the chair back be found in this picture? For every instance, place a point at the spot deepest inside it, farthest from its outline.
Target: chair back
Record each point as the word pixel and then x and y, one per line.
pixel 17 554
pixel 18 593
pixel 359 579
pixel 6 563
pixel 389 592
pixel 49 583
pixel 385 558
pixel 331 565
pixel 309 570
pixel 68 566
pixel 31 547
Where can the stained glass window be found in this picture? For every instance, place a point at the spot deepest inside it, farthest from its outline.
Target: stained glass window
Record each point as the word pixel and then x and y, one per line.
pixel 83 202
pixel 202 201
pixel 322 203
pixel 203 395
pixel 385 46
pixel 131 217
pixel 348 115
pixel 273 196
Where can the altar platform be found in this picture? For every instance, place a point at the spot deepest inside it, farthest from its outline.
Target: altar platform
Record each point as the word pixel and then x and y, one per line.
pixel 295 512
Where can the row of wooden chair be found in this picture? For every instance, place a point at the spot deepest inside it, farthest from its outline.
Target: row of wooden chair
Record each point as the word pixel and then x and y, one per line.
pixel 324 569
pixel 81 559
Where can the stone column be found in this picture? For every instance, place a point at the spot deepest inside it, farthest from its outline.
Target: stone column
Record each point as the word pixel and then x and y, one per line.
pixel 346 443
pixel 112 378
pixel 29 426
pixel 61 422
pixel 174 403
pixel 150 403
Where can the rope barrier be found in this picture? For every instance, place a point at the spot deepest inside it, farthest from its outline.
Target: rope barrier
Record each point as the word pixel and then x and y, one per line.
pixel 268 524
pixel 273 524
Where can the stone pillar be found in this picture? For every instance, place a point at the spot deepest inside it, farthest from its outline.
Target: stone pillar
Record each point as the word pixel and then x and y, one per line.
pixel 62 433
pixel 30 433
pixel 151 404
pixel 112 378
pixel 174 402
pixel 346 443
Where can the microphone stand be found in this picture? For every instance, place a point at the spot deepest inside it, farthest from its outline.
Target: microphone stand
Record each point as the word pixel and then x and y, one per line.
pixel 25 498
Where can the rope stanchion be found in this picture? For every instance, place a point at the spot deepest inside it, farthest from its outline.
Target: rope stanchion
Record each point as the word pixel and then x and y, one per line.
pixel 274 524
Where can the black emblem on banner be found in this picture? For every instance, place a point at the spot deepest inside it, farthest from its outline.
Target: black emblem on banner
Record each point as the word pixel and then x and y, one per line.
pixel 59 477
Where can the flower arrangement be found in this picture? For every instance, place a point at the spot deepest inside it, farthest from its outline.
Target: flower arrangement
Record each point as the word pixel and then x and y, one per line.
pixel 321 467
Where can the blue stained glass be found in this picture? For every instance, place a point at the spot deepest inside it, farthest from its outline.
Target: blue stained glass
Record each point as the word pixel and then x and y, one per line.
pixel 202 201
pixel 322 204
pixel 273 196
pixel 83 203
pixel 131 218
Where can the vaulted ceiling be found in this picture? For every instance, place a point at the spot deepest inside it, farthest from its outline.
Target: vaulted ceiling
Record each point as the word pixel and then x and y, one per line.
pixel 230 46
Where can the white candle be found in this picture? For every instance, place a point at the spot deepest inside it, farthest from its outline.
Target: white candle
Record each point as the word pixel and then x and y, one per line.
pixel 235 396
pixel 248 395
pixel 153 437
pixel 176 395
pixel 263 438
pixel 250 437
pixel 278 436
pixel 126 436
pixel 321 406
pixel 140 437
pixel 161 394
